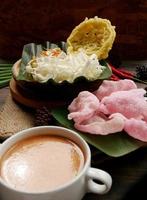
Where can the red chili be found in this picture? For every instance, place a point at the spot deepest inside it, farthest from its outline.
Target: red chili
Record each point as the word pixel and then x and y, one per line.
pixel 119 73
pixel 123 75
pixel 126 72
pixel 114 77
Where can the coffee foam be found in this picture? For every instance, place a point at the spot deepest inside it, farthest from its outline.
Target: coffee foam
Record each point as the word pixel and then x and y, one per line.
pixel 41 163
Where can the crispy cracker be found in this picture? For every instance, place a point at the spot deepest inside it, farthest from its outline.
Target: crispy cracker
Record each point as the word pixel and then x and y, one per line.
pixel 94 36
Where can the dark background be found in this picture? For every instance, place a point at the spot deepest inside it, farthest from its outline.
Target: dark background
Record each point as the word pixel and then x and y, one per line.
pixel 25 21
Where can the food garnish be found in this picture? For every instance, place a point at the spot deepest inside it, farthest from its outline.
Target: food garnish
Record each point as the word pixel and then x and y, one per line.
pixel 140 77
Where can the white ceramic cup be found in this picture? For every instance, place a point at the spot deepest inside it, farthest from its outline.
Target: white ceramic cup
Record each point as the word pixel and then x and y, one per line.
pixel 73 190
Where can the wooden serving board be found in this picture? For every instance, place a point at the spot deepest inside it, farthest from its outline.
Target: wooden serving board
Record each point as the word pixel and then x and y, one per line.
pixel 31 101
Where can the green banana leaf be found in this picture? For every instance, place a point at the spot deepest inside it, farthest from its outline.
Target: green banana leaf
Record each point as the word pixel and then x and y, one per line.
pixel 115 145
pixel 32 50
pixel 50 89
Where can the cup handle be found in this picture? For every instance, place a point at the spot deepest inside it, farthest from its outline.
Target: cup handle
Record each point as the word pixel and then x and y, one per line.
pixel 100 175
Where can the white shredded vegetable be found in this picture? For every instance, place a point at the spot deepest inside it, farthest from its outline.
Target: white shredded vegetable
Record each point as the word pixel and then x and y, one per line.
pixel 64 67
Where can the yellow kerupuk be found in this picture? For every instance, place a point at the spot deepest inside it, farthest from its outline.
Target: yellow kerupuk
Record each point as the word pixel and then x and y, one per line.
pixel 94 35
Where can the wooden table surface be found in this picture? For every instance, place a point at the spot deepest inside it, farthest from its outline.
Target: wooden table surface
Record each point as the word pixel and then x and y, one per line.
pixel 129 173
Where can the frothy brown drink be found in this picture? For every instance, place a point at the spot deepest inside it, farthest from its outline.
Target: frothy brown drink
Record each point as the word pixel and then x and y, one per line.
pixel 41 163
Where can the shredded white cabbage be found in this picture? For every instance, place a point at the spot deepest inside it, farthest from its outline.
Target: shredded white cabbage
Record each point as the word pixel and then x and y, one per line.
pixel 64 67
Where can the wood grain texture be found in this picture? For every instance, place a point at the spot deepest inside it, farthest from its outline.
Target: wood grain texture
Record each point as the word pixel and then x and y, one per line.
pixel 27 21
